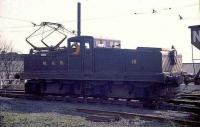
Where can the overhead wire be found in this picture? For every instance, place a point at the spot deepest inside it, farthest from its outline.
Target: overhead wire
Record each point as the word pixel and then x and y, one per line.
pixel 16 19
pixel 156 10
pixel 180 16
pixel 22 20
pixel 15 27
pixel 152 11
pixel 13 31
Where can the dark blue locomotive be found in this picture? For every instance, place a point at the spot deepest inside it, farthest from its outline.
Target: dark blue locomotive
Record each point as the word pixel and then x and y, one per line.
pixel 80 68
pixel 102 72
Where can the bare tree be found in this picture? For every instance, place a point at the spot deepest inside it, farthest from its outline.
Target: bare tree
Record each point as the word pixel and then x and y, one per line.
pixel 10 62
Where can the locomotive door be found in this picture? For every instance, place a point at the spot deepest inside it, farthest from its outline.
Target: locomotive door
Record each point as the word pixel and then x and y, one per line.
pixel 80 54
pixel 87 58
pixel 74 57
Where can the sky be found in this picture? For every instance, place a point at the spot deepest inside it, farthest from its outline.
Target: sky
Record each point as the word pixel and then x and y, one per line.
pixel 130 21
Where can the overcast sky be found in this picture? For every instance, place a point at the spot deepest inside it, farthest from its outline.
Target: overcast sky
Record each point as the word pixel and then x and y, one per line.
pixel 113 19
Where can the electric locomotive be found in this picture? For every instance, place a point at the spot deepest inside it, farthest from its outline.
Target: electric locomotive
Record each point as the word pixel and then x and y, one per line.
pixel 81 68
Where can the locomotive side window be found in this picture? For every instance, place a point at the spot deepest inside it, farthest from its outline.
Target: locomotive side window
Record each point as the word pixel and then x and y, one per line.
pixel 133 61
pixel 101 43
pixel 107 43
pixel 87 45
pixel 75 48
pixel 74 44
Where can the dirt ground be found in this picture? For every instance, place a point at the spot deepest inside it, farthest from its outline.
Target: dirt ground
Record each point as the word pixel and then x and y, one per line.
pixel 25 113
pixel 29 113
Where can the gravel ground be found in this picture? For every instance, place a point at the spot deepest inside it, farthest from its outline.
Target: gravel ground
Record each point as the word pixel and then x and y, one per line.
pixel 28 113
pixel 189 89
pixel 25 113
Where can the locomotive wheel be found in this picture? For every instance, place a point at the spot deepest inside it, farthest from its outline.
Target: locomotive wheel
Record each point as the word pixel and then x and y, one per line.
pixel 33 87
pixel 27 88
pixel 37 89
pixel 93 89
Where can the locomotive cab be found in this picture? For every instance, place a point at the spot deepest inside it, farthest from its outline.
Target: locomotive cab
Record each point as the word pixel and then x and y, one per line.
pixel 80 52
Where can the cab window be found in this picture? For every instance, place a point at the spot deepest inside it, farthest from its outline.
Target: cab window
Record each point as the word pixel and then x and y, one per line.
pixel 75 48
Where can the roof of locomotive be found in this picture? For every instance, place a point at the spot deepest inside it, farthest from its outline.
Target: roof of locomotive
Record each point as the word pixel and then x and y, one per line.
pixel 98 43
pixel 79 38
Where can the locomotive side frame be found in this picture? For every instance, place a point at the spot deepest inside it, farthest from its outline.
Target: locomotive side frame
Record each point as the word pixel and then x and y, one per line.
pixel 122 73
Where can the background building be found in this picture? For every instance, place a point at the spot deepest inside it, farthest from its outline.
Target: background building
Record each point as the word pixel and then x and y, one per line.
pixel 11 64
pixel 191 68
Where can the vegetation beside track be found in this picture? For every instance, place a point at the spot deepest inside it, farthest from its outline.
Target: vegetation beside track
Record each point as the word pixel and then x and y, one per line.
pixel 23 113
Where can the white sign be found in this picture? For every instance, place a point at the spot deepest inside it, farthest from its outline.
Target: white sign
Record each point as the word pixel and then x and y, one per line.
pixel 196 36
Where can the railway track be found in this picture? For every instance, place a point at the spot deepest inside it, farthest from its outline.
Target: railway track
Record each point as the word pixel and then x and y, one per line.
pixel 189 96
pixel 173 104
pixel 184 102
pixel 11 91
pixel 128 115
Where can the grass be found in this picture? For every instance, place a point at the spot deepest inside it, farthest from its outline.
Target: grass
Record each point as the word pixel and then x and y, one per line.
pixel 23 113
pixel 57 120
pixel 40 120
